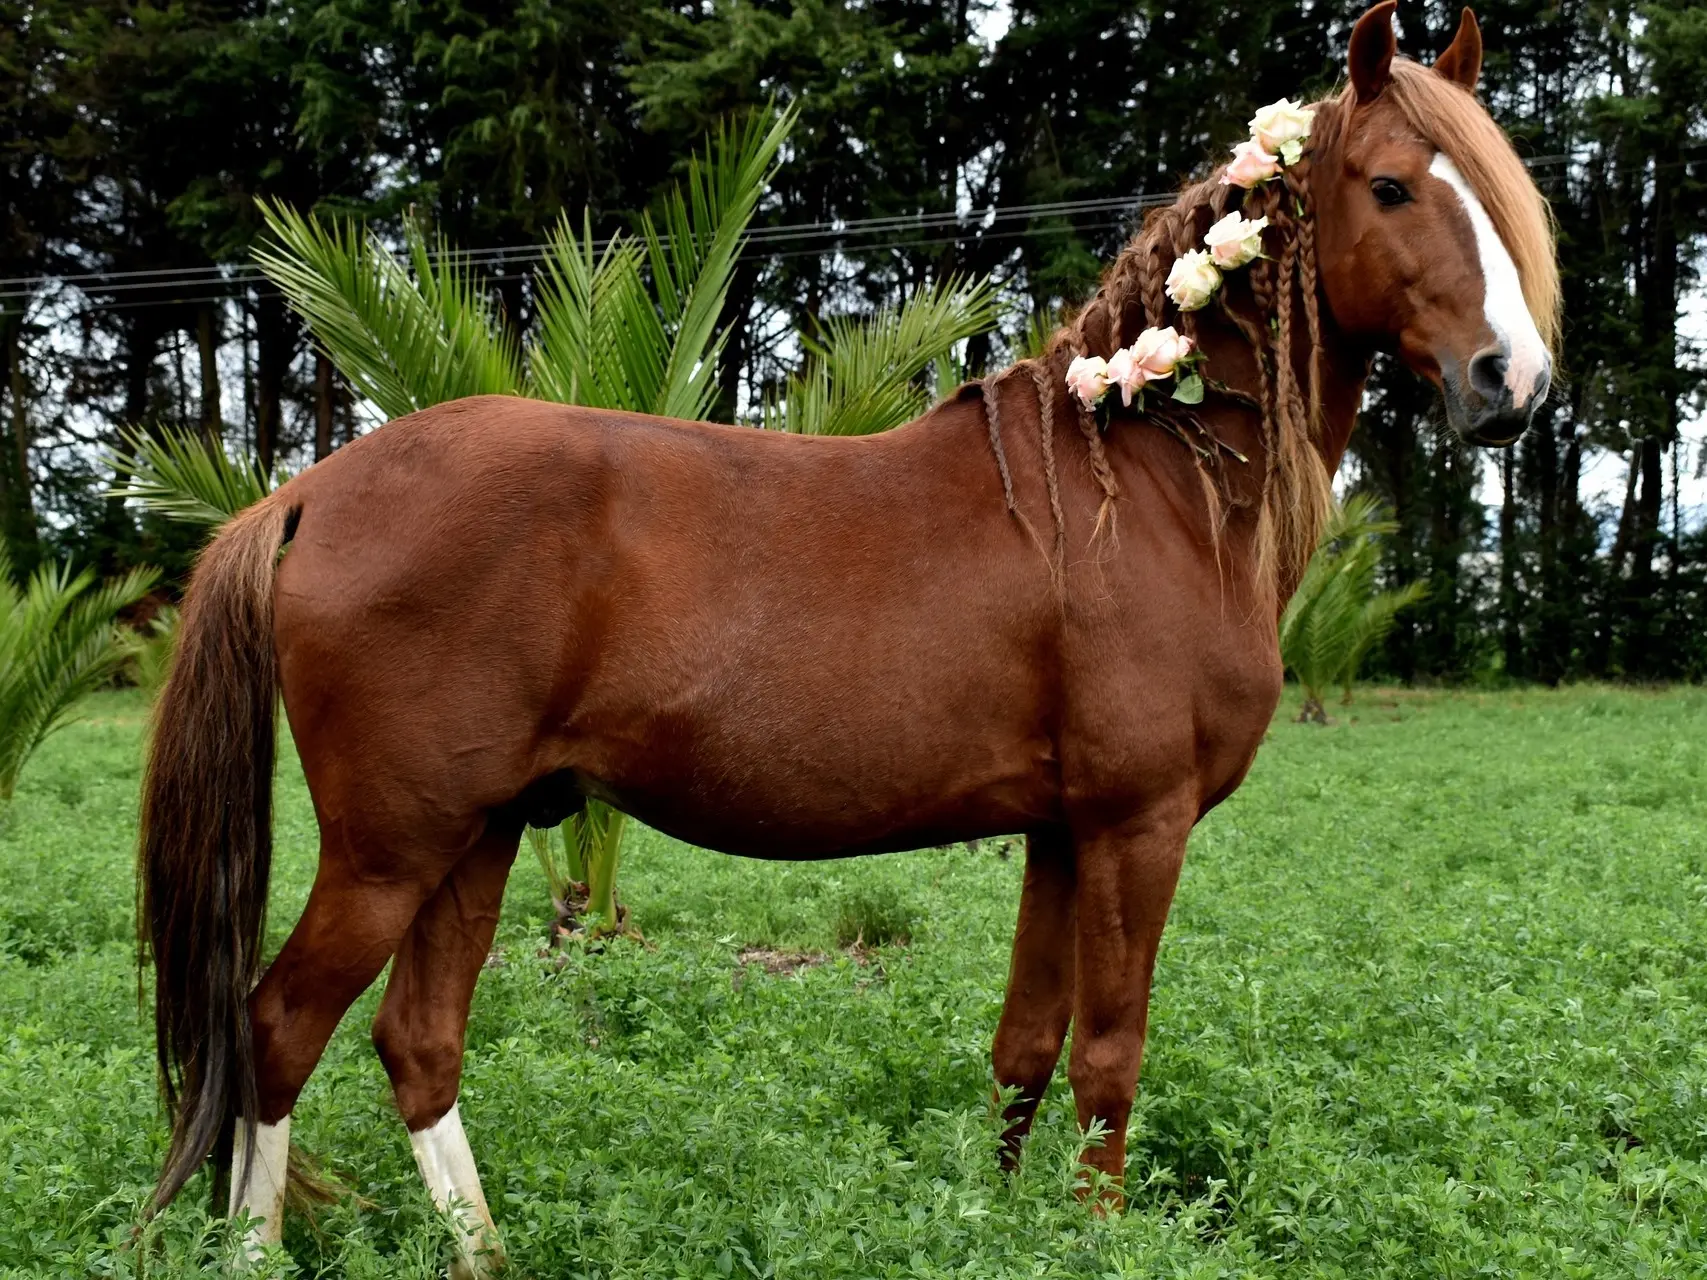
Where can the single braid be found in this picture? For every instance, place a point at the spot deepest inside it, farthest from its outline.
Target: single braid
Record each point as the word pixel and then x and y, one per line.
pixel 1291 402
pixel 990 389
pixel 1298 184
pixel 1155 263
pixel 993 417
pixel 1101 469
pixel 1261 278
pixel 1046 433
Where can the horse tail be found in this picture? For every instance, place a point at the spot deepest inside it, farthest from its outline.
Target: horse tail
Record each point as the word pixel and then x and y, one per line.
pixel 206 841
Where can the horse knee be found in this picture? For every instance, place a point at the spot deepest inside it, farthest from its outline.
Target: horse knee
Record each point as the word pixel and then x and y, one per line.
pixel 1026 1062
pixel 425 1066
pixel 1104 1074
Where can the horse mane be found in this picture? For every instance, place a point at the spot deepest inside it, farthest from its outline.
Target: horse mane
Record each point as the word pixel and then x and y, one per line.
pixel 1297 489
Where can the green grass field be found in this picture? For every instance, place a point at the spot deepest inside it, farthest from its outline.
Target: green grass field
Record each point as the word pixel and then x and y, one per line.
pixel 1433 1002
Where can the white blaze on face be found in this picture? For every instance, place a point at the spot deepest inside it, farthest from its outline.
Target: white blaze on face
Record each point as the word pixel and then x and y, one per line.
pixel 447 1167
pixel 1507 313
pixel 262 1194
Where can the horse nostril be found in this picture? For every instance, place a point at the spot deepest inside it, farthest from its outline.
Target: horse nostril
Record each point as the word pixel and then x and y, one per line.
pixel 1487 373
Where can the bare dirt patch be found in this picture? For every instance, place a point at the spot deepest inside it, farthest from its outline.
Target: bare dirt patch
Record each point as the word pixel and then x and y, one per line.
pixel 780 962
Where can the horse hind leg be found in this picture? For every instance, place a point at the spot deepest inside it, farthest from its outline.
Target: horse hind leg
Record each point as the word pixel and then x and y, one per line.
pixel 348 930
pixel 1039 1003
pixel 419 1034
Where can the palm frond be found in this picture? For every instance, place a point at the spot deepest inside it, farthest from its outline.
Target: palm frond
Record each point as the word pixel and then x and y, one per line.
pixel 150 651
pixel 692 271
pixel 58 642
pixel 634 326
pixel 1040 327
pixel 1337 614
pixel 1374 622
pixel 865 375
pixel 599 339
pixel 404 340
pixel 186 477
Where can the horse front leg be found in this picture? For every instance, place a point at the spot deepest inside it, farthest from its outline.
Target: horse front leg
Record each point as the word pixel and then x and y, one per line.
pixel 1039 1003
pixel 1126 879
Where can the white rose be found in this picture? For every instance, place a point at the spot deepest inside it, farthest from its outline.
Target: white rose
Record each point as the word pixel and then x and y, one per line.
pixel 1281 127
pixel 1193 280
pixel 1126 373
pixel 1235 240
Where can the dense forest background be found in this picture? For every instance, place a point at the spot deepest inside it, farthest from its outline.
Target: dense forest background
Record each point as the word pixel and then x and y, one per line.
pixel 1017 139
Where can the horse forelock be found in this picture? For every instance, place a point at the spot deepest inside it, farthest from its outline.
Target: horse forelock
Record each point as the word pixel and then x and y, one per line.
pixel 1461 129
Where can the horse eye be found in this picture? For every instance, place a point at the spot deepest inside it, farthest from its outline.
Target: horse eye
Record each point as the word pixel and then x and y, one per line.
pixel 1388 192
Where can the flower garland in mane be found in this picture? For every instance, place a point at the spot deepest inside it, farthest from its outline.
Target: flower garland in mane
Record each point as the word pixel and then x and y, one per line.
pixel 1280 284
pixel 1254 214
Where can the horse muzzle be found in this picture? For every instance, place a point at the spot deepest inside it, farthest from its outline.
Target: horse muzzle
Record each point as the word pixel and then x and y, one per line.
pixel 1482 405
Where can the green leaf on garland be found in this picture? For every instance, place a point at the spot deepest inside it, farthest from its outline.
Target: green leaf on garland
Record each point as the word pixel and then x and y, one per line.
pixel 1190 390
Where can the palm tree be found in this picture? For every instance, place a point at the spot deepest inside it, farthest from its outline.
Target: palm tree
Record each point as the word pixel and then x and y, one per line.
pixel 627 324
pixel 59 641
pixel 1336 616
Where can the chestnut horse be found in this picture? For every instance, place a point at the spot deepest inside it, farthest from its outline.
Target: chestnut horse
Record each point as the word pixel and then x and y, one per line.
pixel 1002 618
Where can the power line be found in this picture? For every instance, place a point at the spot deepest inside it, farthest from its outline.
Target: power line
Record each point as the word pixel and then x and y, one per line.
pixel 979 219
pixel 235 273
pixel 503 277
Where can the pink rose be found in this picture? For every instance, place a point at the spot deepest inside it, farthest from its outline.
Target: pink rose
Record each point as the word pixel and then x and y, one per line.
pixel 1087 378
pixel 1158 351
pixel 1250 165
pixel 1125 372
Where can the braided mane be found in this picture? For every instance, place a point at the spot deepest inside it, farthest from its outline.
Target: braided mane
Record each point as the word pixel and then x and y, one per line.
pixel 1264 303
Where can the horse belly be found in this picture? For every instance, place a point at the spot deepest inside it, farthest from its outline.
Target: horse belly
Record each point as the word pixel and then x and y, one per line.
pixel 831 767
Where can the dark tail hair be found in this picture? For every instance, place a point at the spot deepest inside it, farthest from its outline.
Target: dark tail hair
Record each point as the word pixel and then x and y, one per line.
pixel 206 841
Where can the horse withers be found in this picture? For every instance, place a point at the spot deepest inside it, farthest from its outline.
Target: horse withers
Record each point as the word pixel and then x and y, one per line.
pixel 1011 615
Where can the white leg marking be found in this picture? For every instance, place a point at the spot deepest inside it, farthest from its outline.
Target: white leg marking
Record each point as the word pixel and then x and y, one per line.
pixel 1508 314
pixel 447 1167
pixel 262 1195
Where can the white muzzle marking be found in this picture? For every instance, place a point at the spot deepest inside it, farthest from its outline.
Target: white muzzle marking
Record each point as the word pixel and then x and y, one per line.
pixel 1502 300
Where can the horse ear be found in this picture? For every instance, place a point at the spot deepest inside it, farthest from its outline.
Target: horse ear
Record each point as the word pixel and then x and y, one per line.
pixel 1372 50
pixel 1462 61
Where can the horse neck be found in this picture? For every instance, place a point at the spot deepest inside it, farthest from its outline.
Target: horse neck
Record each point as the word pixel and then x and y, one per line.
pixel 1342 370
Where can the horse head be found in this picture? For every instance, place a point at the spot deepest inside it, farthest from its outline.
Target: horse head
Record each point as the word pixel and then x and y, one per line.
pixel 1434 241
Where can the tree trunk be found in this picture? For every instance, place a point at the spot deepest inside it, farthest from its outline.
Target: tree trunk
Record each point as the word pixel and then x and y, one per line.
pixel 737 348
pixel 1510 623
pixel 17 501
pixel 142 349
pixel 512 299
pixel 275 345
pixel 1642 597
pixel 1614 595
pixel 322 404
pixel 207 352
